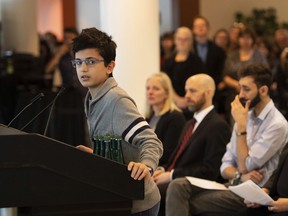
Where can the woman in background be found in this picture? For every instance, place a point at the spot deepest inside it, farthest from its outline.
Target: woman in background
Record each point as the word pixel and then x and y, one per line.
pixel 245 55
pixel 182 64
pixel 166 47
pixel 164 117
pixel 221 39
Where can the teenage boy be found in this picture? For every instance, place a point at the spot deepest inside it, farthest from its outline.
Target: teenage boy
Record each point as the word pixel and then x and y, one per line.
pixel 110 110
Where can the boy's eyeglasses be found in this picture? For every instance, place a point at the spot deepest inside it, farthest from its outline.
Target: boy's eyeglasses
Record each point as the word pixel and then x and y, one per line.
pixel 90 61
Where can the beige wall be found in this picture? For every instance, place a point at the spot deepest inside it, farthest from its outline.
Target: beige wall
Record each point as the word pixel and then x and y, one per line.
pixel 49 17
pixel 220 13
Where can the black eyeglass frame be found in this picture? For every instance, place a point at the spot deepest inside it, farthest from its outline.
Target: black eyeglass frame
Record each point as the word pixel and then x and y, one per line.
pixel 89 61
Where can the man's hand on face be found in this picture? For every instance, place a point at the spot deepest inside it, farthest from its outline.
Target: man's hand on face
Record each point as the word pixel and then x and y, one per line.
pixel 240 112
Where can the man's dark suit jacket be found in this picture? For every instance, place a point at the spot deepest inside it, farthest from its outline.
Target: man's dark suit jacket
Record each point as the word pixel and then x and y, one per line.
pixel 215 61
pixel 272 182
pixel 202 155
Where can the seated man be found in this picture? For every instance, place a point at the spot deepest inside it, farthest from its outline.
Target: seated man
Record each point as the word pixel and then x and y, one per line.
pixel 201 148
pixel 259 135
pixel 277 188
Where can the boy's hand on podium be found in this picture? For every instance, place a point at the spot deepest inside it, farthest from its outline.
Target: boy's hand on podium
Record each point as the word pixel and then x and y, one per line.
pixel 84 148
pixel 139 171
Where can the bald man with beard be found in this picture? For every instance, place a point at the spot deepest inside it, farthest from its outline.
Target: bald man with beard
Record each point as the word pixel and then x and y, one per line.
pixel 199 150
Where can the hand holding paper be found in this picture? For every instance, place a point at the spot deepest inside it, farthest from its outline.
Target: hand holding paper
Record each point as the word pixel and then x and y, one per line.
pixel 252 192
pixel 247 190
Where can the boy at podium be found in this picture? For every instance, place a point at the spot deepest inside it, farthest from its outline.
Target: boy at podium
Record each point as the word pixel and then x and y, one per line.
pixel 110 110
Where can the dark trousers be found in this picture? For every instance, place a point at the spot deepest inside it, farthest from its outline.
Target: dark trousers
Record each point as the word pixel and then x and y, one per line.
pixel 162 188
pixel 150 212
pixel 185 199
pixel 262 211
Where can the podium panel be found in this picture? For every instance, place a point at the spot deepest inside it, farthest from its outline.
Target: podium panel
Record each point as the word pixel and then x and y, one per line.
pixel 43 176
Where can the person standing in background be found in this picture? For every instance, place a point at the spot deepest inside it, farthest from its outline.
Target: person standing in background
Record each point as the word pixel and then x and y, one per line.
pixel 281 41
pixel 234 34
pixel 183 64
pixel 69 121
pixel 62 61
pixel 221 39
pixel 245 55
pixel 166 47
pixel 212 56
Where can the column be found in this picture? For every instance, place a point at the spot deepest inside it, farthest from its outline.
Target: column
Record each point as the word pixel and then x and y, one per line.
pixel 19 29
pixel 134 26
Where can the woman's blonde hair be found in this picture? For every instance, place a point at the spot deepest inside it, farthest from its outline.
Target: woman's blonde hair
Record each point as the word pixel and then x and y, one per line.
pixel 169 104
pixel 183 30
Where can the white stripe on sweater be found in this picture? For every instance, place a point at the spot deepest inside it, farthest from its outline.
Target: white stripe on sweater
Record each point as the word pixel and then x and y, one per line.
pixel 134 129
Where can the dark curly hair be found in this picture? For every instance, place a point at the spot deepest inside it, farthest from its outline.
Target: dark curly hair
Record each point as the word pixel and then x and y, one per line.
pixel 93 38
pixel 248 31
pixel 261 74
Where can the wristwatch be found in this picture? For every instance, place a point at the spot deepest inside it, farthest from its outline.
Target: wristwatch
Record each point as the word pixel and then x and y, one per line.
pixel 241 133
pixel 237 179
pixel 150 170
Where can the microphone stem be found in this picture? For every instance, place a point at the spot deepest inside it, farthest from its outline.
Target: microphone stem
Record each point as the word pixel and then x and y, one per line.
pixel 49 117
pixel 19 114
pixel 39 96
pixel 51 110
pixel 51 103
pixel 36 116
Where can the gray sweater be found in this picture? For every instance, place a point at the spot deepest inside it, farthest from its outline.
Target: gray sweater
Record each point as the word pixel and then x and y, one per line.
pixel 111 111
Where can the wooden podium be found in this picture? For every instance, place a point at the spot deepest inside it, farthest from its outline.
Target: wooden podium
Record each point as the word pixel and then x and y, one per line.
pixel 42 176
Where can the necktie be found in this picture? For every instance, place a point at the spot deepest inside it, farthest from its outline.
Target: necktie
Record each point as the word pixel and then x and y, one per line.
pixel 185 139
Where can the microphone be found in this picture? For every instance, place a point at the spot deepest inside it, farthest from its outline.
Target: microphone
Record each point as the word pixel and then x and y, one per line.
pixel 45 108
pixel 33 100
pixel 51 109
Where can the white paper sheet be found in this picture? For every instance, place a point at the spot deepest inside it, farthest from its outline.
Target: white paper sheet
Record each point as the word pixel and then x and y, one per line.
pixel 251 192
pixel 206 184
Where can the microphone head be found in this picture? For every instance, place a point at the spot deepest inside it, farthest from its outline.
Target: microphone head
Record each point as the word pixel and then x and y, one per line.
pixel 38 97
pixel 61 90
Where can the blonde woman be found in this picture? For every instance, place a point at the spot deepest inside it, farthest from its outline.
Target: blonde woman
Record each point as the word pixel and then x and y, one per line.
pixel 165 118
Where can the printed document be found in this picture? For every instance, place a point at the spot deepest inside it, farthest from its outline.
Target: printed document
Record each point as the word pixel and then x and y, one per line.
pixel 206 184
pixel 247 190
pixel 251 192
